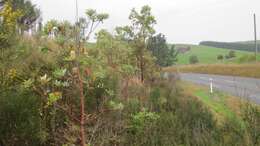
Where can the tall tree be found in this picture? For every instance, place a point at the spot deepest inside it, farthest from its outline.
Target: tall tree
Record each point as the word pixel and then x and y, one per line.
pixel 93 19
pixel 141 30
pixel 166 55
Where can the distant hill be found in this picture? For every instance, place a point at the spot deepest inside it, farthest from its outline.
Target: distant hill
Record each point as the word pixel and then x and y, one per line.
pixel 248 42
pixel 207 54
pixel 244 46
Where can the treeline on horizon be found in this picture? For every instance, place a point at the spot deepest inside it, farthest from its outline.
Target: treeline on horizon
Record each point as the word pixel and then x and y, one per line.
pixel 247 46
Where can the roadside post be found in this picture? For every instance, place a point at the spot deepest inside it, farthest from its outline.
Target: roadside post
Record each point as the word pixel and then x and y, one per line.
pixel 211 85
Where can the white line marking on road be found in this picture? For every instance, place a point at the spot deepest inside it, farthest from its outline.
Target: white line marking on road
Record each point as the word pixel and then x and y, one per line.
pixel 204 78
pixel 229 81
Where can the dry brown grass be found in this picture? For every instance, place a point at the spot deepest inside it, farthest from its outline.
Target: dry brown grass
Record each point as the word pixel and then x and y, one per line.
pixel 246 70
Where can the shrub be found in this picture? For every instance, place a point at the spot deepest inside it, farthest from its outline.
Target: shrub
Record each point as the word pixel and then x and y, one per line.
pixel 246 58
pixel 220 57
pixel 232 54
pixel 20 118
pixel 251 117
pixel 193 59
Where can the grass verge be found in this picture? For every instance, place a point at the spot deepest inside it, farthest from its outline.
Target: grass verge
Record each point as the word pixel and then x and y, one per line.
pixel 222 106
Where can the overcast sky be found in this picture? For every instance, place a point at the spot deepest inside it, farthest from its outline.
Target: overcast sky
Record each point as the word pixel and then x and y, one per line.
pixel 182 21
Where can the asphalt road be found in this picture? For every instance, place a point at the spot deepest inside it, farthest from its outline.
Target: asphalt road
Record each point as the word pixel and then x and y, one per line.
pixel 247 88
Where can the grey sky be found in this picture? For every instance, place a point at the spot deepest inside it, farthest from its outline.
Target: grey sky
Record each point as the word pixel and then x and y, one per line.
pixel 182 21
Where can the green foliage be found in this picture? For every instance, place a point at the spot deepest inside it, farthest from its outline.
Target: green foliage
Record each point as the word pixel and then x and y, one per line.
pixel 20 119
pixel 165 55
pixel 8 25
pixel 94 16
pixel 193 59
pixel 39 90
pixel 116 106
pixel 28 13
pixel 172 57
pixel 62 31
pixel 220 57
pixel 251 116
pixel 53 97
pixel 92 22
pixel 133 105
pixel 59 73
pixel 155 99
pixel 127 70
pixel 140 30
pixel 142 22
pixel 49 26
pixel 142 119
pixel 246 58
pixel 231 54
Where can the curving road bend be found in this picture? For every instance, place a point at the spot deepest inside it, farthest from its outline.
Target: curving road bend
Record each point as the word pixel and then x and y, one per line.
pixel 247 88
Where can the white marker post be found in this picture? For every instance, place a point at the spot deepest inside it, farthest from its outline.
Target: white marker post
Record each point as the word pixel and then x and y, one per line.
pixel 211 85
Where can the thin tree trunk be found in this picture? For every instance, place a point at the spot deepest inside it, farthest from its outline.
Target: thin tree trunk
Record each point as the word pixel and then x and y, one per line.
pixel 81 91
pixel 142 66
pixel 82 110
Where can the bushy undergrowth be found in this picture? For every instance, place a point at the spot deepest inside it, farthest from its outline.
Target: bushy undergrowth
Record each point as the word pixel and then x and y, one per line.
pixel 167 117
pixel 43 85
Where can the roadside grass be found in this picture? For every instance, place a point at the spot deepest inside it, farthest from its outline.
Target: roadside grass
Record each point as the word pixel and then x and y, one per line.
pixel 222 106
pixel 245 70
pixel 208 55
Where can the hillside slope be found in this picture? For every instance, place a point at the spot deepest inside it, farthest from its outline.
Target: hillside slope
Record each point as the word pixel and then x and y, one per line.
pixel 245 46
pixel 208 55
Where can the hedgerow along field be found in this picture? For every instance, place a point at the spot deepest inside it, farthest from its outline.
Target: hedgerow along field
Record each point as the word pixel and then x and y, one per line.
pixel 208 55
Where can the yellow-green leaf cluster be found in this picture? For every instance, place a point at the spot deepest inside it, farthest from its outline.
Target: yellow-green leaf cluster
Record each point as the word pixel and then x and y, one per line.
pixel 10 17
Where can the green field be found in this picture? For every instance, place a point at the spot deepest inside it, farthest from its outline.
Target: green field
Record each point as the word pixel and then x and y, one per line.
pixel 208 55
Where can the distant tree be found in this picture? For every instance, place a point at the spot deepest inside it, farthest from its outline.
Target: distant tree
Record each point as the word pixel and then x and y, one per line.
pixel 92 21
pixel 141 30
pixel 158 46
pixel 172 56
pixel 165 55
pixel 227 56
pixel 220 57
pixel 232 54
pixel 193 59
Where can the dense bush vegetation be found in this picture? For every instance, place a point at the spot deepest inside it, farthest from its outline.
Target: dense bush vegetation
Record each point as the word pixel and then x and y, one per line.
pixel 56 92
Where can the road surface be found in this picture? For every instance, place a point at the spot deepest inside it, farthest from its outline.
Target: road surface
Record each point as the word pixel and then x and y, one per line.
pixel 247 88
